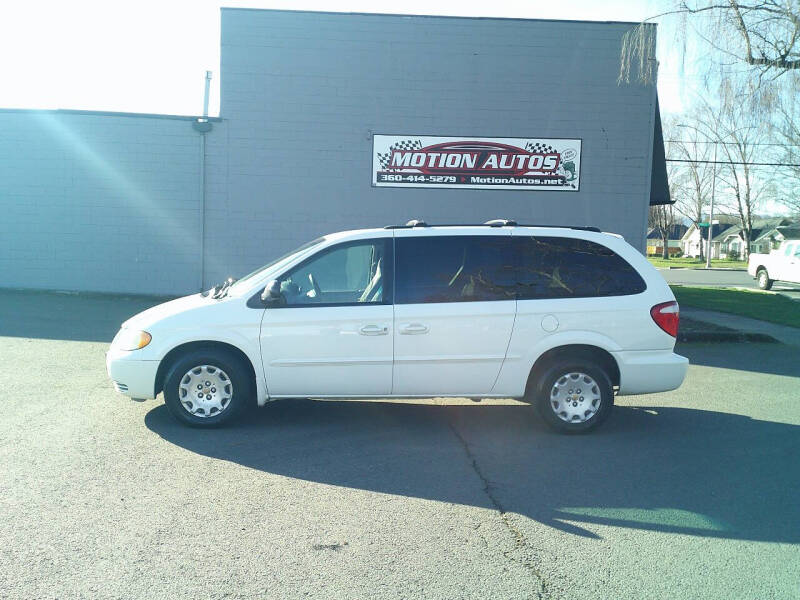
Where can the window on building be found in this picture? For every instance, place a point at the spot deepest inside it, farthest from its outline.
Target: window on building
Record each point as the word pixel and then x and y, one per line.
pixel 554 267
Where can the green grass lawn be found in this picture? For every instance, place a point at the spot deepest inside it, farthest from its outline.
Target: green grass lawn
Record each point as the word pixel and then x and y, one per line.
pixel 696 263
pixel 766 306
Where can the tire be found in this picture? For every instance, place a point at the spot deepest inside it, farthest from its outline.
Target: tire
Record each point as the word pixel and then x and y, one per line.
pixel 762 277
pixel 227 388
pixel 585 383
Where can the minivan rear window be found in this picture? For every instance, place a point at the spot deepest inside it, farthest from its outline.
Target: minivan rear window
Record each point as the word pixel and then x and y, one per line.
pixel 556 267
pixel 454 269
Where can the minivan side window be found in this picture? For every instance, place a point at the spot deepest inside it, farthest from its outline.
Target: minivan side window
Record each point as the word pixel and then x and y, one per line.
pixel 347 274
pixel 556 267
pixel 453 269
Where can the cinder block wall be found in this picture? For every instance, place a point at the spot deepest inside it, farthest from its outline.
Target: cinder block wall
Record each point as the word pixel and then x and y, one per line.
pixel 99 202
pixel 112 202
pixel 303 93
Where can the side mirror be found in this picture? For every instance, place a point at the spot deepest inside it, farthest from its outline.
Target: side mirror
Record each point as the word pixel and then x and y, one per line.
pixel 272 292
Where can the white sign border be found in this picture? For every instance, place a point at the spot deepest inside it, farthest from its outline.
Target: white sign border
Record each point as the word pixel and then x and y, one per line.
pixel 443 138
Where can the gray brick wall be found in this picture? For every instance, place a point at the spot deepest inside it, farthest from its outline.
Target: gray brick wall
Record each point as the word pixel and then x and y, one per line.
pixel 303 93
pixel 106 202
pixel 99 202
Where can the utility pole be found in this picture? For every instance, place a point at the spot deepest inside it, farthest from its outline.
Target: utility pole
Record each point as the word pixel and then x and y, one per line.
pixel 711 211
pixel 202 126
pixel 205 95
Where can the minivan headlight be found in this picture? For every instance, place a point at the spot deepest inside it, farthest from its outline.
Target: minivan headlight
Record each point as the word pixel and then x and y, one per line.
pixel 131 339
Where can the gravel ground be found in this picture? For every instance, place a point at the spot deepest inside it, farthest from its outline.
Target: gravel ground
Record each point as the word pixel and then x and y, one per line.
pixel 690 494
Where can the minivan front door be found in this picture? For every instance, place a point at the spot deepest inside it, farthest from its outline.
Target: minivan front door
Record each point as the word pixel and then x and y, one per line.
pixel 454 310
pixel 331 335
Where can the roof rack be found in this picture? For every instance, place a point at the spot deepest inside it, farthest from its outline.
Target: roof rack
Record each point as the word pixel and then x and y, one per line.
pixel 409 225
pixel 577 227
pixel 500 223
pixel 493 223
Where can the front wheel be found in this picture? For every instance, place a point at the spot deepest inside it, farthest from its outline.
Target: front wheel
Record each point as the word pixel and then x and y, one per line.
pixel 574 396
pixel 207 388
pixel 764 282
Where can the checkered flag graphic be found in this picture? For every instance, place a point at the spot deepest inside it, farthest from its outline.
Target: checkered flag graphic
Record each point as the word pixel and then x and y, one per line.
pixel 404 145
pixel 539 148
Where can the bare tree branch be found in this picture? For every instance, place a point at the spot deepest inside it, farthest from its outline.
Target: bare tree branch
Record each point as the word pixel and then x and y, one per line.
pixel 764 35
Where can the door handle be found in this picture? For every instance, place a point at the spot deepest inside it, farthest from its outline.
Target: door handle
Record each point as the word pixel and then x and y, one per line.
pixel 373 330
pixel 414 329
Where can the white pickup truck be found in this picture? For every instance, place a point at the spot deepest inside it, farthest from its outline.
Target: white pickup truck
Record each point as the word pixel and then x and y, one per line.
pixel 782 264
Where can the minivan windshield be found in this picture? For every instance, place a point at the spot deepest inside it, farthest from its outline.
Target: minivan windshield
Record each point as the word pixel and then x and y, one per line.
pixel 244 283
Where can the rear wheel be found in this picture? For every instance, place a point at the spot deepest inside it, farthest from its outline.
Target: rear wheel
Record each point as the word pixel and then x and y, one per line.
pixel 762 277
pixel 207 388
pixel 573 396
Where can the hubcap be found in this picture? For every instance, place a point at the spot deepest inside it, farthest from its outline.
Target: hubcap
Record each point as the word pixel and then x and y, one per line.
pixel 205 391
pixel 575 397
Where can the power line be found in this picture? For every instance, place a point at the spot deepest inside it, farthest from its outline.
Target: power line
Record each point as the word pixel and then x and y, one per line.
pixel 728 143
pixel 731 162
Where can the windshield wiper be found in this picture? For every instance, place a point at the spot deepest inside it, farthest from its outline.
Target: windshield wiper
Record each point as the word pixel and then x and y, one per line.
pixel 220 291
pixel 212 291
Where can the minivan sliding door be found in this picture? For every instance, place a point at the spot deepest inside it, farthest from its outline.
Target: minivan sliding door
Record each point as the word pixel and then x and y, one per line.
pixel 454 311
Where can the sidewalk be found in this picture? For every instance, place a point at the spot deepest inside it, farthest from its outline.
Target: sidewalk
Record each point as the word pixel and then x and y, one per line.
pixel 782 333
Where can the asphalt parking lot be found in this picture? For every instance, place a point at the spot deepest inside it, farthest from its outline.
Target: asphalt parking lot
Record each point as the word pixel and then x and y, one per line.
pixel 688 494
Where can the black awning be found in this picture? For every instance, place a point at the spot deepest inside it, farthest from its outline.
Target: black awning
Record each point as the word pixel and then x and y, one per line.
pixel 659 185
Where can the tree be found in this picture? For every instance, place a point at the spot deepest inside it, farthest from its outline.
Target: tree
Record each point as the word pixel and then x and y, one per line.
pixel 785 128
pixel 662 218
pixel 740 137
pixel 728 133
pixel 763 34
pixel 691 179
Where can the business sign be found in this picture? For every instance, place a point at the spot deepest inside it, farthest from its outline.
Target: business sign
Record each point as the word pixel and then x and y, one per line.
pixel 478 163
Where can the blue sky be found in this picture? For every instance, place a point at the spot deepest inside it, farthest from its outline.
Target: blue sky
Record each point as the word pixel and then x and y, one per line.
pixel 150 56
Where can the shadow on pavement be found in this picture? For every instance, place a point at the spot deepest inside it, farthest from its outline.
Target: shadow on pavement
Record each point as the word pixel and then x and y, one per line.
pixel 665 469
pixel 67 316
pixel 777 359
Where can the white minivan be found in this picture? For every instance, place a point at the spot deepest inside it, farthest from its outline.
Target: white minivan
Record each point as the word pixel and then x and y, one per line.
pixel 562 317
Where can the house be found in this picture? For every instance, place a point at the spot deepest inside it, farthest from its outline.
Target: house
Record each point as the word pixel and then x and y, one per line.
pixel 694 236
pixel 771 237
pixel 727 239
pixel 655 240
pixel 730 243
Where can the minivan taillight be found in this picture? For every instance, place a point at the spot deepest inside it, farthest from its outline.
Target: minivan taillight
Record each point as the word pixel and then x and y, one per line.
pixel 666 315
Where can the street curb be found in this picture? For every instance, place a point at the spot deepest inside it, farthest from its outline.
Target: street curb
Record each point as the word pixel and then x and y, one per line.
pixel 718 337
